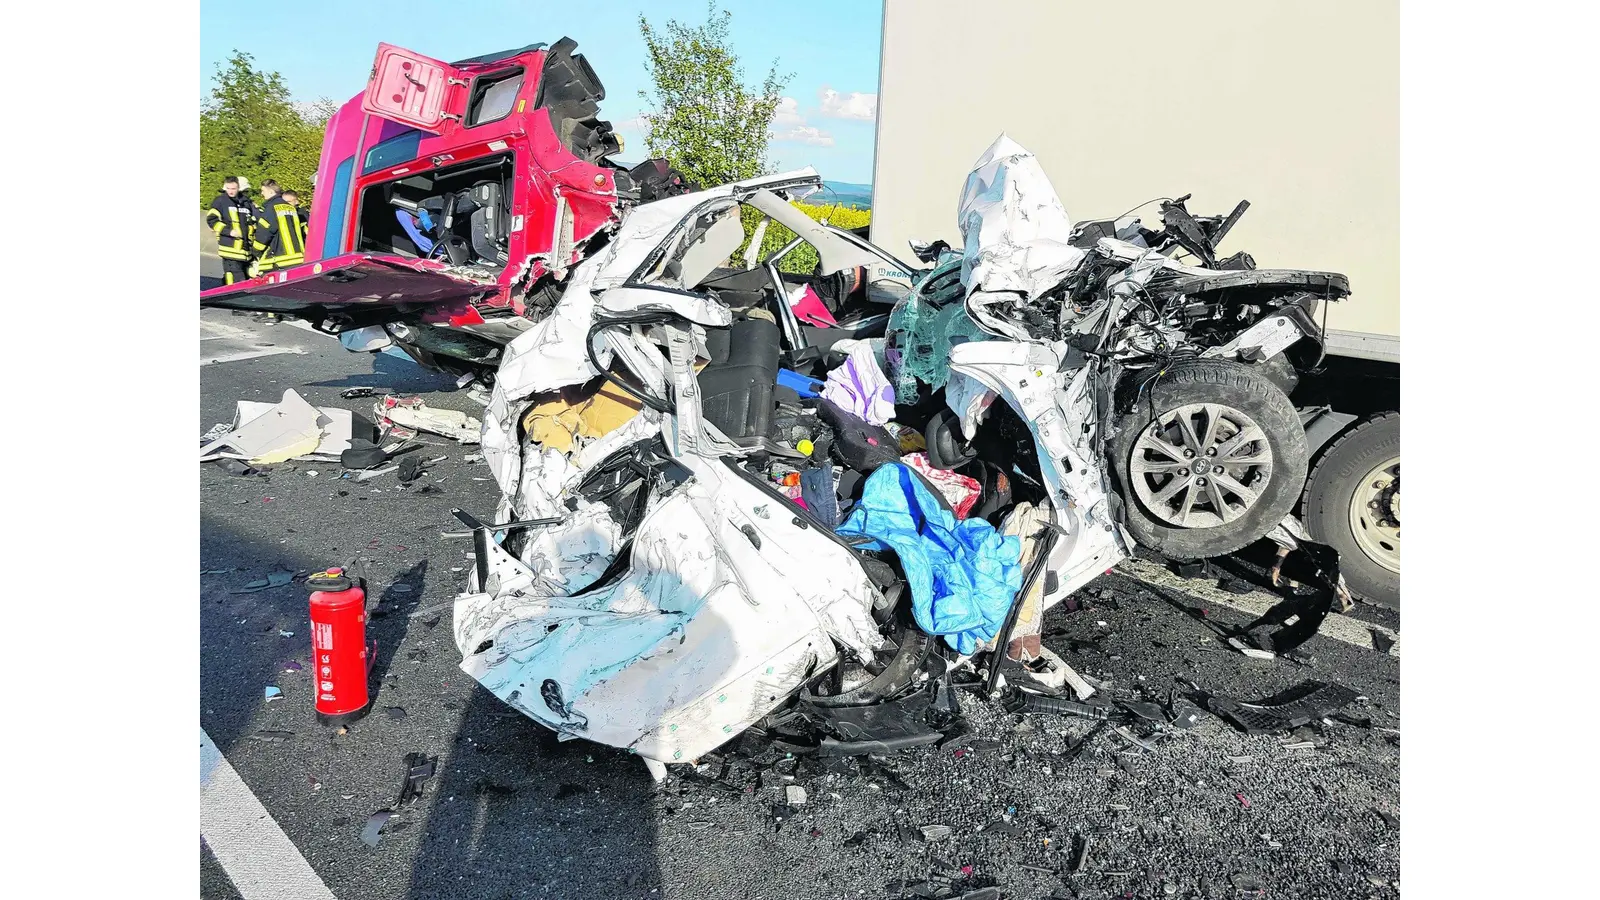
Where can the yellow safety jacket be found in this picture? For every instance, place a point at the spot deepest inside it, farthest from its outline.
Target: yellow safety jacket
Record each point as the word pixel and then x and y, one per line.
pixel 278 236
pixel 227 213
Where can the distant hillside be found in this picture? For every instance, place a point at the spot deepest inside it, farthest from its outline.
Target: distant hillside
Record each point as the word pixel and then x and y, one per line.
pixel 855 196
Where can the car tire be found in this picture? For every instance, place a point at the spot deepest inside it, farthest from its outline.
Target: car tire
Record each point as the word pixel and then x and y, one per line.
pixel 1257 493
pixel 1369 557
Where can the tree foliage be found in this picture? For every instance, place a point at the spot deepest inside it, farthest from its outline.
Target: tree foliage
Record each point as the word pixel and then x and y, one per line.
pixel 803 259
pixel 250 127
pixel 703 118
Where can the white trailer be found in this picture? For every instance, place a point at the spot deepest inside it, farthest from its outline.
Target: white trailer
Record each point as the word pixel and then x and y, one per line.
pixel 1292 106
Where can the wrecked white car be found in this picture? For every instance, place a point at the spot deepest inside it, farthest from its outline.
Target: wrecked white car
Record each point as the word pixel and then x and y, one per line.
pixel 701 536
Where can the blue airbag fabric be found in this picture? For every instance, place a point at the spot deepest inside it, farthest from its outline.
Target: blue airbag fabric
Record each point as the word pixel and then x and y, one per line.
pixel 963 575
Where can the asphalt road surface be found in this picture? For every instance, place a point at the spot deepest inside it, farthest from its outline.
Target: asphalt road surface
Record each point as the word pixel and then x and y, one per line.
pixel 512 812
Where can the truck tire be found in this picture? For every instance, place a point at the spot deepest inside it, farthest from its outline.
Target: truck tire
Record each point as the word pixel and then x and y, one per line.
pixel 1174 503
pixel 1352 503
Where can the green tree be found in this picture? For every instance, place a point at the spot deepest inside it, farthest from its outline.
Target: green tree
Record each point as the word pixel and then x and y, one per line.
pixel 250 127
pixel 703 118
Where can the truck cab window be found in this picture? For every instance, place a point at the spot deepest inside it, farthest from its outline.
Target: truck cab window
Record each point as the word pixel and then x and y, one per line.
pixel 493 96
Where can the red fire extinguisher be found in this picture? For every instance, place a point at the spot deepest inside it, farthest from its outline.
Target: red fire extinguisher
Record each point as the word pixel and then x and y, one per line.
pixel 340 655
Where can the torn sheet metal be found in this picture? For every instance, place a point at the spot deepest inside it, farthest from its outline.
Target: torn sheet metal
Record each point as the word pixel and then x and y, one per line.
pixel 1016 233
pixel 1059 409
pixel 648 225
pixel 720 614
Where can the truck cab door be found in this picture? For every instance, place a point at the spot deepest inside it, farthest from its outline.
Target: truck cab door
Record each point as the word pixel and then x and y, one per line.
pixel 415 90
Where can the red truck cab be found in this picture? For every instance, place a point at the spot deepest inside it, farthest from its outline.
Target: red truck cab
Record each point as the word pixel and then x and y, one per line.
pixel 507 157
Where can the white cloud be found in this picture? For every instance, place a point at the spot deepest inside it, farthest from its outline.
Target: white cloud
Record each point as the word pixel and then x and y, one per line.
pixel 805 134
pixel 788 112
pixel 637 123
pixel 854 105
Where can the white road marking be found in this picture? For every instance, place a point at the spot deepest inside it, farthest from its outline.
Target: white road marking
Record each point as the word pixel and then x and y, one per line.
pixel 214 331
pixel 260 859
pixel 1336 626
pixel 249 354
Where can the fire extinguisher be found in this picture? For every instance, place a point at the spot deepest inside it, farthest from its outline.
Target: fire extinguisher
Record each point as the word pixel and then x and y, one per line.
pixel 340 653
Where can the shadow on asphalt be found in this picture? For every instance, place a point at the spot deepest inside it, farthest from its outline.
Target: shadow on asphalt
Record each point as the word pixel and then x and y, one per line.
pixel 530 816
pixel 235 663
pixel 535 816
pixel 400 375
pixel 538 816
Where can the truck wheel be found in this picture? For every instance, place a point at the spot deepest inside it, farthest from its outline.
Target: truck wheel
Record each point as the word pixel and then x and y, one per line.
pixel 1209 460
pixel 1352 503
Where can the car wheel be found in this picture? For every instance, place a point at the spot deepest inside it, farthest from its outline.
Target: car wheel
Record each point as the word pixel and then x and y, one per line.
pixel 1209 459
pixel 1352 503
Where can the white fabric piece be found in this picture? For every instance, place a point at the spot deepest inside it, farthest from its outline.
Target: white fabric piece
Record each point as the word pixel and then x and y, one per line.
pixel 1014 228
pixel 969 399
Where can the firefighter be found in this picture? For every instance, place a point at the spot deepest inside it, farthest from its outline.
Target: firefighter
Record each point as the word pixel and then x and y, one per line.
pixel 278 236
pixel 230 217
pixel 294 201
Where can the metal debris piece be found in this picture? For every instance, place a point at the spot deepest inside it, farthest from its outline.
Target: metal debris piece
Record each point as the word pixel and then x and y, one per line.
pixel 375 825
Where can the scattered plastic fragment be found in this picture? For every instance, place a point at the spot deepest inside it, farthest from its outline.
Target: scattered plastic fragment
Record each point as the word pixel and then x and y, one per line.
pixel 273 693
pixel 282 633
pixel 1243 800
pixel 795 795
pixel 1304 703
pixel 374 473
pixel 931 833
pixel 272 737
pixel 374 828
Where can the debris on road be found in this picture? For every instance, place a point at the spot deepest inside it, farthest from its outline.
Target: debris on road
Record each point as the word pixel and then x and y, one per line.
pixel 267 433
pixel 413 413
pixel 1306 702
pixel 273 580
pixel 419 767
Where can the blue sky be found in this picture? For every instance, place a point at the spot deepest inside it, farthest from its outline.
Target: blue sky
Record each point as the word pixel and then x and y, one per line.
pixel 325 49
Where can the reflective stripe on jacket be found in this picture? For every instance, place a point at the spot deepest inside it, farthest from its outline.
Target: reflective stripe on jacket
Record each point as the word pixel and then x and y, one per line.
pixel 278 236
pixel 227 213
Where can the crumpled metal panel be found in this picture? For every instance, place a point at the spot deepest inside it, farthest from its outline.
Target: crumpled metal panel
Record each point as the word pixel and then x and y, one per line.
pixel 1015 231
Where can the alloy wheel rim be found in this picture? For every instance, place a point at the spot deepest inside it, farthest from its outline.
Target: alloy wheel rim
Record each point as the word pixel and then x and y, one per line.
pixel 1201 465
